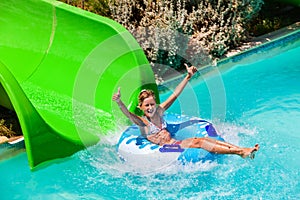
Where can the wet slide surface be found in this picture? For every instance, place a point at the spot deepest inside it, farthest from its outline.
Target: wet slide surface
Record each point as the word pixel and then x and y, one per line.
pixel 59 67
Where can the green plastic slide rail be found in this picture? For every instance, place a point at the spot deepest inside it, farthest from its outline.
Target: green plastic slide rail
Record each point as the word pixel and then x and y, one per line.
pixel 59 67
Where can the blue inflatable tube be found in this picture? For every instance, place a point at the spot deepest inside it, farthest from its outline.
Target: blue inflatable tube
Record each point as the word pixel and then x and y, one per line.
pixel 139 152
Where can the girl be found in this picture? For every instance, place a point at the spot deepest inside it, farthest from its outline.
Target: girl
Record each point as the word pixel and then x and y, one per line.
pixel 153 126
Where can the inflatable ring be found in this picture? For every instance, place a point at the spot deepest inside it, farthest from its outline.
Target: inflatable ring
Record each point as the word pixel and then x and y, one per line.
pixel 138 151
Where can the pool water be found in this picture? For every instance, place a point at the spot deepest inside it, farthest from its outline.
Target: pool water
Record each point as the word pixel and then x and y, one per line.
pixel 253 101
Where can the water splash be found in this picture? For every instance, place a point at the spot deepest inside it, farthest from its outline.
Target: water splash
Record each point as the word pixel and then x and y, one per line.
pixel 104 156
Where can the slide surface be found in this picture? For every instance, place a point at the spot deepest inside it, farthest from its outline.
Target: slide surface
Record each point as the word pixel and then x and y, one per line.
pixel 59 67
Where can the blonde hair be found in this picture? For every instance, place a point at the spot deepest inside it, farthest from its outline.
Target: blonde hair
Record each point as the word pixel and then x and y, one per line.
pixel 145 94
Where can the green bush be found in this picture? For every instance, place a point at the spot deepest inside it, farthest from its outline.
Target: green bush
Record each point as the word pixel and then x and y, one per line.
pixel 99 7
pixel 172 32
pixel 273 16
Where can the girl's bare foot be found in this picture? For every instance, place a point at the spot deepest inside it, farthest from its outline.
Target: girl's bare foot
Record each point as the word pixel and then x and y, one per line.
pixel 249 152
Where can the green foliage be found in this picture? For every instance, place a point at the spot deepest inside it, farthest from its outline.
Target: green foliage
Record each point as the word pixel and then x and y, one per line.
pixel 96 6
pixel 273 16
pixel 172 32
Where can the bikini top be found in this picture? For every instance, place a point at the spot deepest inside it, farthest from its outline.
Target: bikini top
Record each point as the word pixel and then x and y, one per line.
pixel 153 129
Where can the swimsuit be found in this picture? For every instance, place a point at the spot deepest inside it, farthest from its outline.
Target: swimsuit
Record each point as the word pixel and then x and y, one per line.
pixel 178 142
pixel 157 138
pixel 153 129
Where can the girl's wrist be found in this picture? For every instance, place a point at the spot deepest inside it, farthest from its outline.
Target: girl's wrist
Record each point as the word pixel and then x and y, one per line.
pixel 188 76
pixel 120 104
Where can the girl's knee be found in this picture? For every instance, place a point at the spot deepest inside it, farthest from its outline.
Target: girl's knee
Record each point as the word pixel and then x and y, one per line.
pixel 198 142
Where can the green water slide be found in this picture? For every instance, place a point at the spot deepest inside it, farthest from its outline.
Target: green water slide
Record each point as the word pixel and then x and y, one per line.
pixel 59 67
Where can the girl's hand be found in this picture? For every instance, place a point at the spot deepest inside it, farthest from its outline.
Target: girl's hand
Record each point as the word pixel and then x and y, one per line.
pixel 117 97
pixel 190 70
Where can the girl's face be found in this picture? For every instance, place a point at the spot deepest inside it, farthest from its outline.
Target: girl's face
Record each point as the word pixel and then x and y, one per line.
pixel 149 106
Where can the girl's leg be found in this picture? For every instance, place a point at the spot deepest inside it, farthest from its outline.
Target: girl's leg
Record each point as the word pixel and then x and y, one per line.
pixel 219 147
pixel 221 143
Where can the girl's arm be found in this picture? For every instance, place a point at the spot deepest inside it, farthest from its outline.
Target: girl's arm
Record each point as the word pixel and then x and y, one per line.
pixel 134 118
pixel 191 71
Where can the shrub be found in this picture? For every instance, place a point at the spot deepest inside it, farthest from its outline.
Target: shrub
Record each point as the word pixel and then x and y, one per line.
pixel 273 16
pixel 99 7
pixel 172 32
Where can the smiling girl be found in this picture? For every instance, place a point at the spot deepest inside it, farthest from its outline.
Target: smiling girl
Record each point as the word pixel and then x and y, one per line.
pixel 153 126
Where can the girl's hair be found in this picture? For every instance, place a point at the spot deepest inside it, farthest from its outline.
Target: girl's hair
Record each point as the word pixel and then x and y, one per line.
pixel 145 94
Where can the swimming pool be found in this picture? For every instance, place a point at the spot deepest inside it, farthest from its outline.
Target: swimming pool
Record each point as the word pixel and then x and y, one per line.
pixel 253 98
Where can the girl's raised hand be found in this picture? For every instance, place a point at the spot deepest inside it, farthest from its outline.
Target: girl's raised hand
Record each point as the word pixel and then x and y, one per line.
pixel 190 70
pixel 117 97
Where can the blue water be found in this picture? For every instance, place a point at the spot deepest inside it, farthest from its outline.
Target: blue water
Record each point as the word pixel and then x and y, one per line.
pixel 252 101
